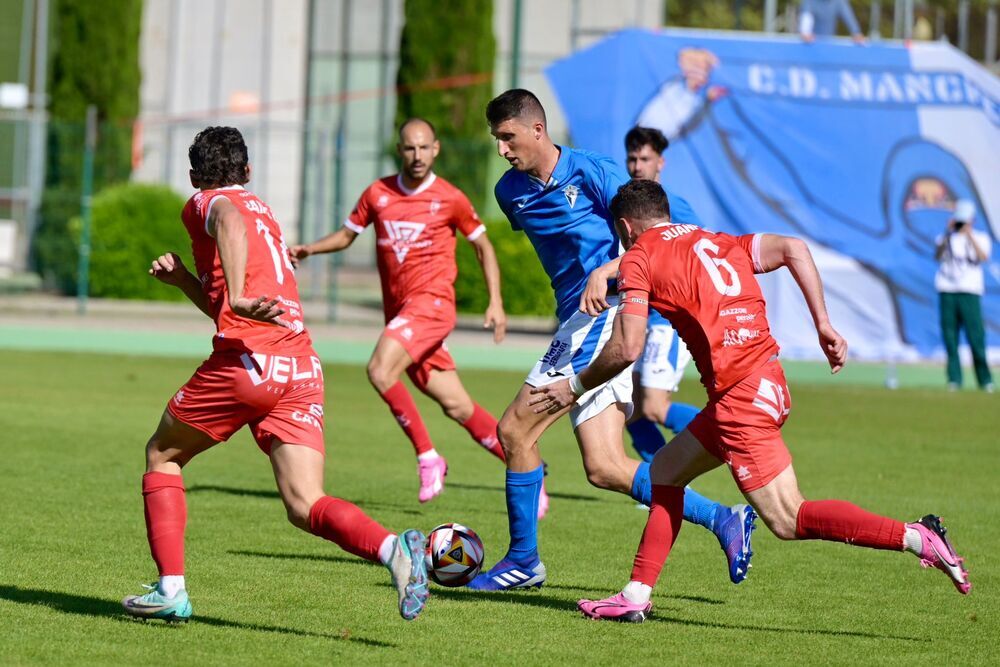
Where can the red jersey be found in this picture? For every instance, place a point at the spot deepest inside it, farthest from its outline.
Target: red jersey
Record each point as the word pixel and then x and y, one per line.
pixel 704 284
pixel 415 235
pixel 268 272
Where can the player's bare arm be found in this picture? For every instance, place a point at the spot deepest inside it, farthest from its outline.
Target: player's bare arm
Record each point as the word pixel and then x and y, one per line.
pixel 495 317
pixel 169 269
pixel 628 337
pixel 980 253
pixel 335 242
pixel 594 299
pixel 777 251
pixel 226 224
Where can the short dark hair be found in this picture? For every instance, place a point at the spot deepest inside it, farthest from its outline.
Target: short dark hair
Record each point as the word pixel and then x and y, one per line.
pixel 514 103
pixel 219 157
pixel 641 199
pixel 417 119
pixel 640 136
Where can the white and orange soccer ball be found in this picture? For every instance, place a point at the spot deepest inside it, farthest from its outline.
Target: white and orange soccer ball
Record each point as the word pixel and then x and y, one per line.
pixel 454 554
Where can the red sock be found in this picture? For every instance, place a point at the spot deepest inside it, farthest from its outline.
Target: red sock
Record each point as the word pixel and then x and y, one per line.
pixel 483 429
pixel 665 515
pixel 841 521
pixel 405 411
pixel 166 516
pixel 347 526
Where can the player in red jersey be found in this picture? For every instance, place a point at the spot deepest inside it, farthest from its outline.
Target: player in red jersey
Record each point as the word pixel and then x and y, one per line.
pixel 262 373
pixel 704 284
pixel 415 215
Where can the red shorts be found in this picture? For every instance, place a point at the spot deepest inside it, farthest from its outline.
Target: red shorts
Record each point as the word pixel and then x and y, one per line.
pixel 421 326
pixel 742 427
pixel 278 397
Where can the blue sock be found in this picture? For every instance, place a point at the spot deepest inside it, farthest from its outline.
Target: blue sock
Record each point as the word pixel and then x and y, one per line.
pixel 646 438
pixel 679 415
pixel 642 488
pixel 699 509
pixel 523 489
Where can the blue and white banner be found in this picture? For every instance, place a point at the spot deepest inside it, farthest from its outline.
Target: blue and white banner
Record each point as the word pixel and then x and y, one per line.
pixel 862 150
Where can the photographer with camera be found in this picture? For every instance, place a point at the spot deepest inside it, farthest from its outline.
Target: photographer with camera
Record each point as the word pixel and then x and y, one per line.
pixel 961 252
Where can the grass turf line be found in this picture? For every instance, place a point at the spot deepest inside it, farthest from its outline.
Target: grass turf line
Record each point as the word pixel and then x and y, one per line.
pixel 73 540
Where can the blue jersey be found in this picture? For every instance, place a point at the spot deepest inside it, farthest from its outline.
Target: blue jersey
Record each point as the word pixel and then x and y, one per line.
pixel 568 220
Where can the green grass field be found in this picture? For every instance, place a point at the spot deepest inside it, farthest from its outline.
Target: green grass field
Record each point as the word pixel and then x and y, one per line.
pixel 72 539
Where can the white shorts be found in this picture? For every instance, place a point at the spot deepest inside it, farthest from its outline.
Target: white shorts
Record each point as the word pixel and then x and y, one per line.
pixel 664 358
pixel 575 345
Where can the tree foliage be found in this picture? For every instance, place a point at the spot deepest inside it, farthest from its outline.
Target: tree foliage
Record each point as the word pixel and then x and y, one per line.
pixel 95 60
pixel 446 58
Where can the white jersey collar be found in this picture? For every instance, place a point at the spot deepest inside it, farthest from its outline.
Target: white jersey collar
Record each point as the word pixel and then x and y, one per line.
pixel 423 186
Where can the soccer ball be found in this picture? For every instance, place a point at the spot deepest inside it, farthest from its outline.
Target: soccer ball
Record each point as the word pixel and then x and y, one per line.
pixel 454 554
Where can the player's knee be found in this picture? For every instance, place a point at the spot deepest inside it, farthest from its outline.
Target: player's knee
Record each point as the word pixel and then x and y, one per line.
pixel 510 433
pixel 379 376
pixel 654 413
pixel 781 523
pixel 457 408
pixel 297 511
pixel 157 455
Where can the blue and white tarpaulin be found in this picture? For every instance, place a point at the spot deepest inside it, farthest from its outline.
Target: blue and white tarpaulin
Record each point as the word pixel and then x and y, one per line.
pixel 863 151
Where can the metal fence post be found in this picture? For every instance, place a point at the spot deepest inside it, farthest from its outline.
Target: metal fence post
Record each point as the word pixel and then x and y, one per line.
pixel 963 25
pixel 515 48
pixel 770 15
pixel 875 21
pixel 83 266
pixel 990 51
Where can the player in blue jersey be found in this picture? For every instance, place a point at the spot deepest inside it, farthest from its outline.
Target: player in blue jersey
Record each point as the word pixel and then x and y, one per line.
pixel 560 198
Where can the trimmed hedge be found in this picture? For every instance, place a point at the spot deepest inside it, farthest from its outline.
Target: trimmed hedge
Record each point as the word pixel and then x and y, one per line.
pixel 131 225
pixel 525 286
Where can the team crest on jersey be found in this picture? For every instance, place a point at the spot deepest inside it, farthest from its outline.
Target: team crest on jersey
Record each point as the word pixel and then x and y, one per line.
pixel 382 201
pixel 403 235
pixel 571 192
pixel 435 207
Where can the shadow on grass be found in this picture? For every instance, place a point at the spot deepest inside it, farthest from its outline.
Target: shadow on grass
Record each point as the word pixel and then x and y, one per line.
pixel 532 598
pixel 535 598
pixel 316 557
pixel 271 493
pixel 589 590
pixel 500 489
pixel 69 603
pixel 657 618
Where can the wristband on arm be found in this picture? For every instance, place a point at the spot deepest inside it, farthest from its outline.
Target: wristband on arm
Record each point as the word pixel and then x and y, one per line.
pixel 576 386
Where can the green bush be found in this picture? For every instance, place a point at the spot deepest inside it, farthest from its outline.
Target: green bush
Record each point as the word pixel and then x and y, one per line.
pixel 524 284
pixel 450 84
pixel 131 225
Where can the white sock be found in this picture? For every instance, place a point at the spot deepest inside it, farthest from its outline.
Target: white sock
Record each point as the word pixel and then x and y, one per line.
pixel 428 455
pixel 385 550
pixel 912 541
pixel 637 592
pixel 171 584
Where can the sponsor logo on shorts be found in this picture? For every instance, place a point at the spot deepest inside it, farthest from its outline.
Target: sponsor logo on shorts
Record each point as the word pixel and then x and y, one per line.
pixel 312 417
pixel 743 473
pixel 396 322
pixel 556 350
pixel 771 399
pixel 407 333
pixel 555 374
pixel 736 337
pixel 178 397
pixel 279 369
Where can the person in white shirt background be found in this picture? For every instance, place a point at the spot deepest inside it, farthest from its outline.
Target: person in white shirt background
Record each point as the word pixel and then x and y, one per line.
pixel 961 252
